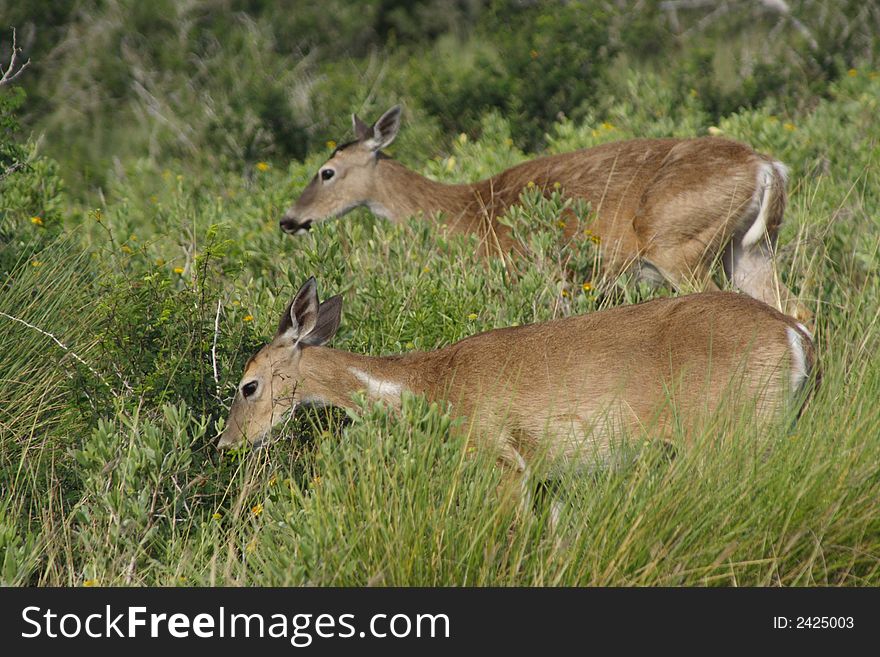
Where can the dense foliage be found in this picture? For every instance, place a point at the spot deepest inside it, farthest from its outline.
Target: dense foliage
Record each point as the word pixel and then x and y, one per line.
pixel 141 264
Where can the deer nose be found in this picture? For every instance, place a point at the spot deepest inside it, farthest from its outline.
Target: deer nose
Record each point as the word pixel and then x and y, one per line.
pixel 292 226
pixel 226 441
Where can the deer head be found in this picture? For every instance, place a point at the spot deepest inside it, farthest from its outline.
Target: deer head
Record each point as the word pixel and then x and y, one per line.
pixel 273 384
pixel 348 179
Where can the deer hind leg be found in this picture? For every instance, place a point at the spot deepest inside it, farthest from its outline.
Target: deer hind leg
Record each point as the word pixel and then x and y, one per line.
pixel 686 268
pixel 749 256
pixel 750 269
pixel 514 486
pixel 682 252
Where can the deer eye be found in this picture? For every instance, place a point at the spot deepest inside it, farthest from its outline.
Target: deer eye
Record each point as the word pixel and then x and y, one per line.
pixel 249 388
pixel 327 174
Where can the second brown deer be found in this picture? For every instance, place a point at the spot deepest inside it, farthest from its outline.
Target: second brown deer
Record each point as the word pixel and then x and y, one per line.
pixel 559 390
pixel 669 208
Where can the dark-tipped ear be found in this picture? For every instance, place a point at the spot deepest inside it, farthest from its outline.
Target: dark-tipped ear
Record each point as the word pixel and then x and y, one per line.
pixel 361 129
pixel 302 313
pixel 329 315
pixel 385 129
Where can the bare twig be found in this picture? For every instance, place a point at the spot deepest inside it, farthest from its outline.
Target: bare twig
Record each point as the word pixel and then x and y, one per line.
pixel 781 7
pixel 10 74
pixel 673 5
pixel 721 7
pixel 65 348
pixel 11 169
pixel 214 348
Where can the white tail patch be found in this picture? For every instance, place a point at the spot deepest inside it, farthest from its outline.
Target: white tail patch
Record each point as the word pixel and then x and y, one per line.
pixel 800 371
pixel 766 180
pixel 379 388
pixel 781 171
pixel 805 331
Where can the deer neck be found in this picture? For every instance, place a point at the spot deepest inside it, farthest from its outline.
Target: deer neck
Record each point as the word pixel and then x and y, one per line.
pixel 402 193
pixel 331 377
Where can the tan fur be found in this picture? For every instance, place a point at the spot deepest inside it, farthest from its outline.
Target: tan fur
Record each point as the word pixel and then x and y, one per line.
pixel 669 205
pixel 562 389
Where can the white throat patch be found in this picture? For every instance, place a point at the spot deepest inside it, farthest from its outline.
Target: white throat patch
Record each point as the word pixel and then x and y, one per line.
pixel 379 388
pixel 379 210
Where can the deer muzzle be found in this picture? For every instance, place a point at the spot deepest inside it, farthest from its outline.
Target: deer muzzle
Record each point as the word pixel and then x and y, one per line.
pixel 293 226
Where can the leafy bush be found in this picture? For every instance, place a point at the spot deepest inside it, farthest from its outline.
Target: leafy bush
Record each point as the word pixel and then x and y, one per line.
pixel 30 191
pixel 127 316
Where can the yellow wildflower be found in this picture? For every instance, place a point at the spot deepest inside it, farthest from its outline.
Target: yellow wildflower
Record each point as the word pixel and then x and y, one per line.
pixel 450 163
pixel 257 508
pixel 852 72
pixel 331 144
pixel 426 269
pixel 273 480
pixel 789 126
pixel 251 547
pixel 694 93
pixel 508 141
pixel 565 293
pixel 556 185
pixel 472 316
pixel 154 199
pixel 125 248
pixel 178 270
pixel 160 261
pixel 560 223
pixel 36 263
pixel 587 286
pixel 248 318
pixel 531 184
pixel 595 133
pixel 607 126
pixel 262 166
pixel 36 221
pixel 216 516
pixel 90 582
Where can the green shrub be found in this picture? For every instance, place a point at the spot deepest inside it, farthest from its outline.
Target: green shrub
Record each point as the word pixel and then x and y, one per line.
pixel 128 315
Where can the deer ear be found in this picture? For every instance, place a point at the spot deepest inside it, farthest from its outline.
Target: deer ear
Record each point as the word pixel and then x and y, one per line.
pixel 385 129
pixel 329 316
pixel 302 313
pixel 361 129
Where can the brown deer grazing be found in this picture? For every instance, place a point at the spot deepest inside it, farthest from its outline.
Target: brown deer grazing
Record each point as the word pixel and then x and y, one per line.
pixel 560 389
pixel 668 207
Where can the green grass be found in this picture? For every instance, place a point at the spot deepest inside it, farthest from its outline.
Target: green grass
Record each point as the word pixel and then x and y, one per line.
pixel 108 472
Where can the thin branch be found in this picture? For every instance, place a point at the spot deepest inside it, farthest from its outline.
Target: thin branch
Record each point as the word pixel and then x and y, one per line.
pixel 719 8
pixel 214 348
pixel 11 169
pixel 10 74
pixel 66 349
pixel 781 7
